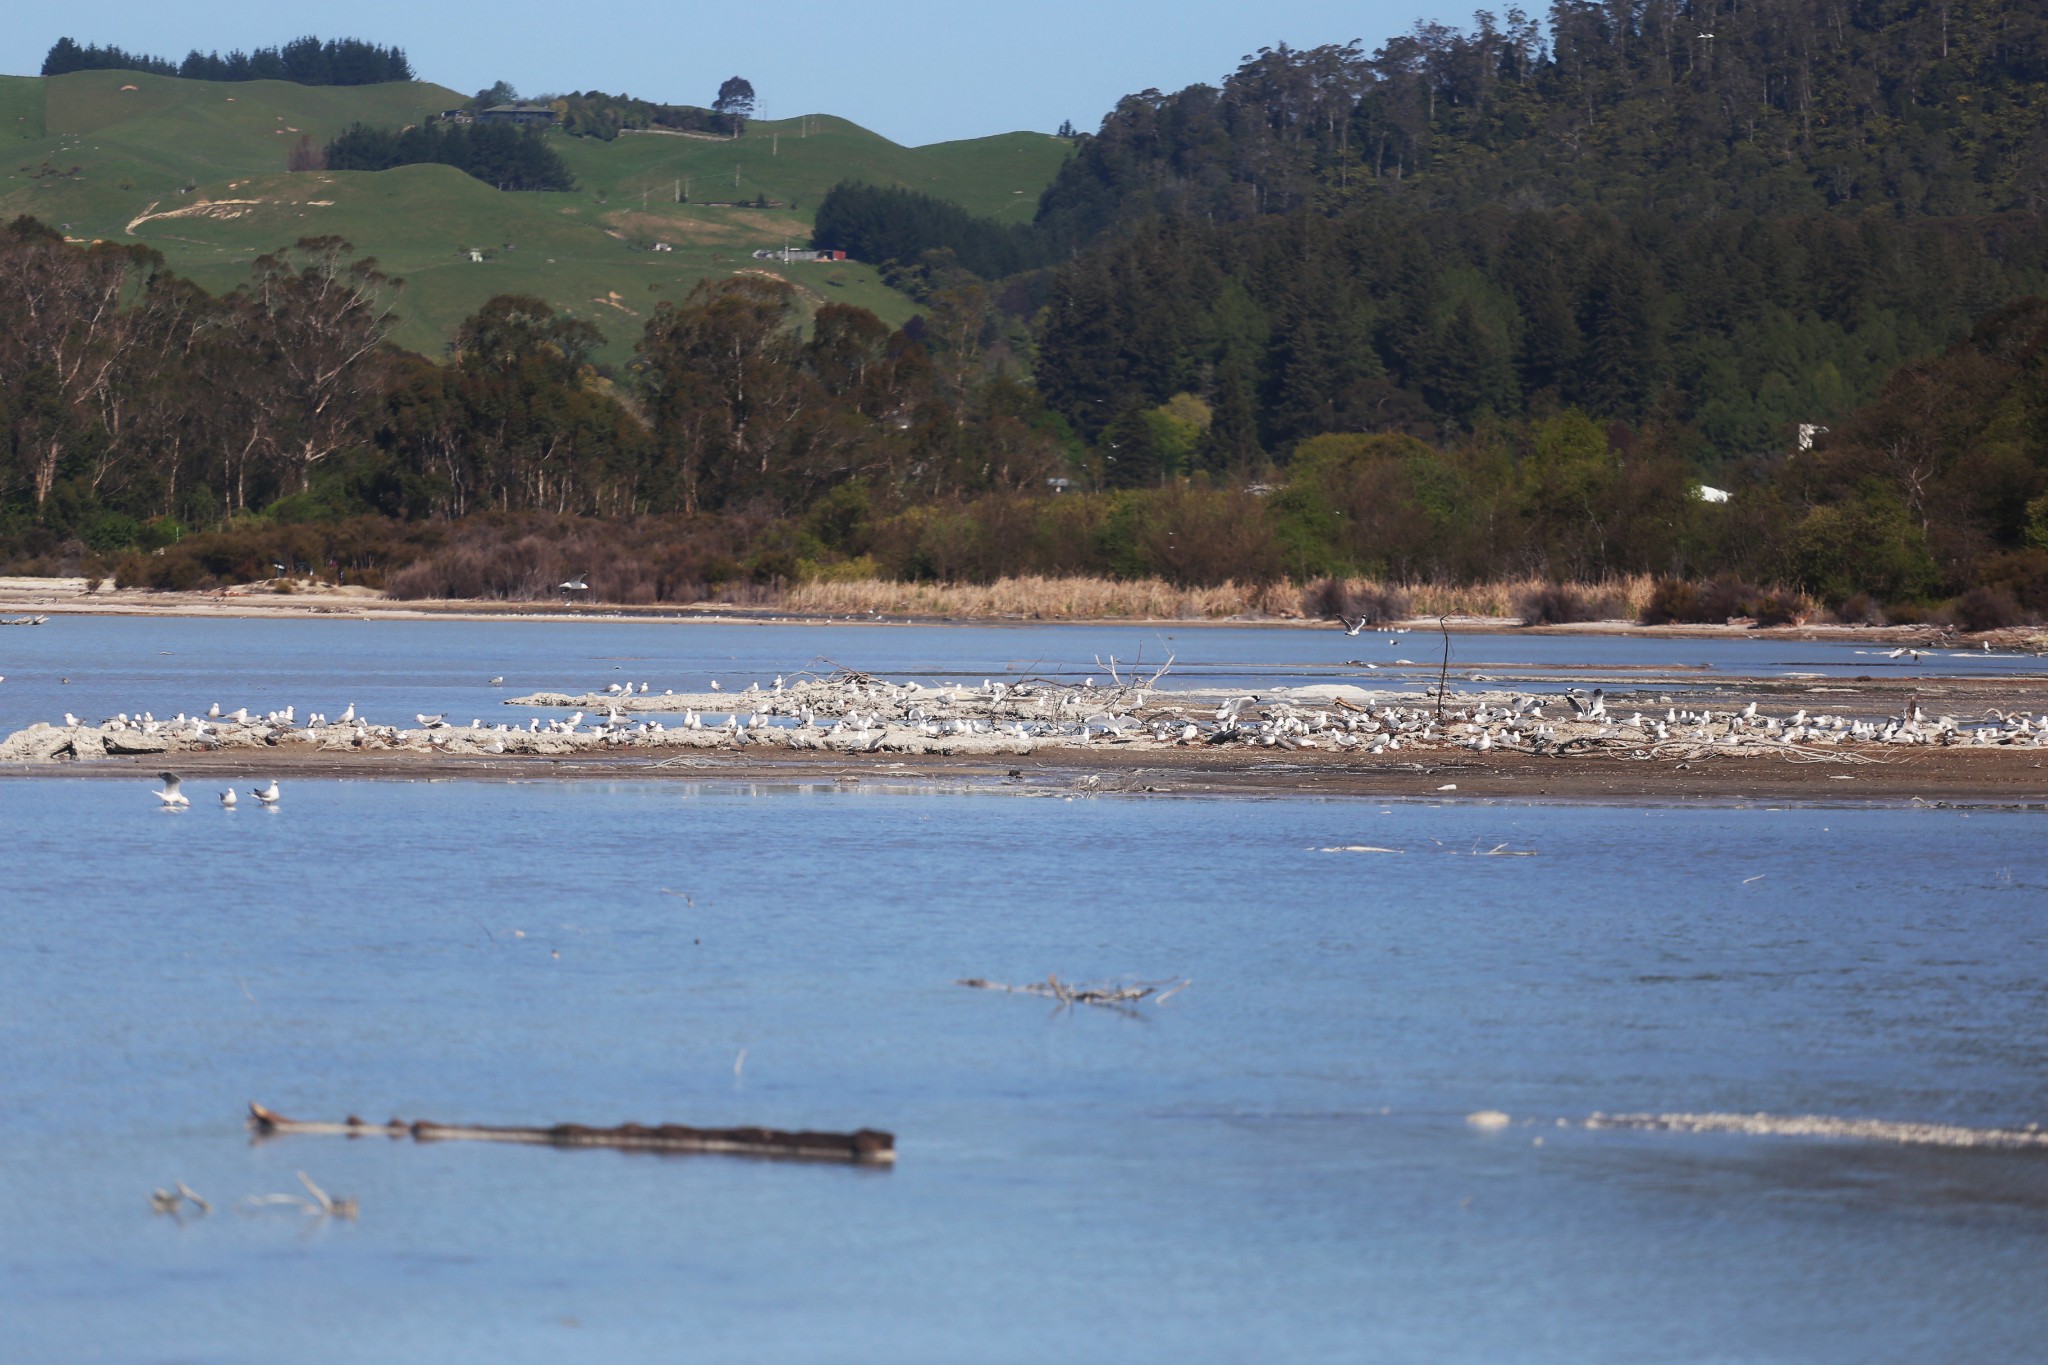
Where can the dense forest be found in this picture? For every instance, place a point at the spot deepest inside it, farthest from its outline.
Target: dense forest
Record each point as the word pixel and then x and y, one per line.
pixel 1739 218
pixel 1767 107
pixel 305 61
pixel 1475 306
pixel 506 156
pixel 890 225
pixel 1431 322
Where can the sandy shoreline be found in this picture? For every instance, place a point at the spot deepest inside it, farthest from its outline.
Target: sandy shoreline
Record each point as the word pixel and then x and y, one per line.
pixel 62 597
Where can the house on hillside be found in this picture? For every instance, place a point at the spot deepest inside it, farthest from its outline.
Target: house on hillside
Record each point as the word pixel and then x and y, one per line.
pixel 521 113
pixel 788 254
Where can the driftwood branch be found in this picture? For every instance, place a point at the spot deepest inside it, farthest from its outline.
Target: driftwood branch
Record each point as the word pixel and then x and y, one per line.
pixel 173 1201
pixel 866 1145
pixel 1106 993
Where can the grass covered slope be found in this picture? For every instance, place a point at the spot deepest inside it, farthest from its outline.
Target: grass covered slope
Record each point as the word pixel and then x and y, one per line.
pixel 198 170
pixel 794 161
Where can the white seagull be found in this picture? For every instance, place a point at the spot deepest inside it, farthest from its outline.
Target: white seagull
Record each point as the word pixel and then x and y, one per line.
pixel 172 798
pixel 267 795
pixel 227 798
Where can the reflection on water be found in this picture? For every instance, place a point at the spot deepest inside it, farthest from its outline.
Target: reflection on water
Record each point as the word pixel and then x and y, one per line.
pixel 1274 1165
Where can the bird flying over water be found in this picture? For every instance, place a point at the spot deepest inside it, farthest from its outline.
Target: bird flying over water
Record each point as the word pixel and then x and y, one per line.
pixel 172 798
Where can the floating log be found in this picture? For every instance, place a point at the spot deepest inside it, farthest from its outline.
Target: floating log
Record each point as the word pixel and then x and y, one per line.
pixel 866 1146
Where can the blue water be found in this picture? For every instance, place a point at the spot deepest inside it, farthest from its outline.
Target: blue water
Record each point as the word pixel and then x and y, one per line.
pixel 96 667
pixel 1274 1165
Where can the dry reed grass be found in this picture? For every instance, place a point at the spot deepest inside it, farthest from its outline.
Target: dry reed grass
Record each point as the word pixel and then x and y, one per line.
pixel 1082 598
pixel 1622 598
pixel 1046 599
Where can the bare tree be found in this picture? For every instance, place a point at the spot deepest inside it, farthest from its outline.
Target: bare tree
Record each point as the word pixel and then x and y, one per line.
pixel 70 331
pixel 315 321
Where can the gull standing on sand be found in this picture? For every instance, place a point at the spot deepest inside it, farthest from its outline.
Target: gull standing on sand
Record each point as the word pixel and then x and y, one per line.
pixel 172 798
pixel 267 795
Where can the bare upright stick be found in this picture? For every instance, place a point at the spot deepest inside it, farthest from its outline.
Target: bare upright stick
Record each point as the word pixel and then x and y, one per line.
pixel 1443 623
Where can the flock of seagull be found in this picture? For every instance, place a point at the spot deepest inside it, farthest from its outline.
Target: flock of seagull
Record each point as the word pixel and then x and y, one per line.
pixel 863 711
pixel 856 712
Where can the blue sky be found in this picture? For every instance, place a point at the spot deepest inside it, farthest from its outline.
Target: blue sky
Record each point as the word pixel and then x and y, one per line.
pixel 917 72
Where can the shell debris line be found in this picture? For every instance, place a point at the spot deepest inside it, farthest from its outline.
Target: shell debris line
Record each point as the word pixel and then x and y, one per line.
pixel 852 712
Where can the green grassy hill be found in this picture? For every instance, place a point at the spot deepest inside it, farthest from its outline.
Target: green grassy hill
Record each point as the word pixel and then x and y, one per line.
pixel 196 169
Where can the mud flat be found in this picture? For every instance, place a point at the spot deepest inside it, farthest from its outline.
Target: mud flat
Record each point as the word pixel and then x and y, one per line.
pixel 1945 740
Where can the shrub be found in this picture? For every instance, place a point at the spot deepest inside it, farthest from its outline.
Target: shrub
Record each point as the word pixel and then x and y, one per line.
pixel 1987 608
pixel 1781 608
pixel 1727 598
pixel 1556 604
pixel 1860 609
pixel 1350 601
pixel 1724 599
pixel 1328 599
pixel 2023 573
pixel 1376 605
pixel 1672 600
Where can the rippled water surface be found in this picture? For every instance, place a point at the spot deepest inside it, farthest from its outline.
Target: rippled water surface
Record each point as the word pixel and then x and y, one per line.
pixel 1274 1165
